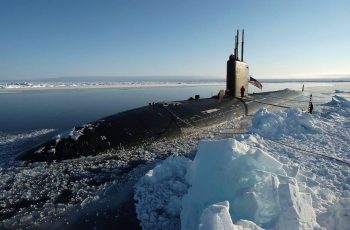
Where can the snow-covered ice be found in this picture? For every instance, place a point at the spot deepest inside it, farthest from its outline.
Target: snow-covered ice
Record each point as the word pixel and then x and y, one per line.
pixel 253 182
pixel 337 216
pixel 276 176
pixel 217 216
pixel 282 177
pixel 280 123
pixel 163 187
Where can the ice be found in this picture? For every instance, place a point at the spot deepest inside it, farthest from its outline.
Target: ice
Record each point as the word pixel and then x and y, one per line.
pixel 337 217
pixel 216 216
pixel 39 150
pixel 9 138
pixel 159 194
pixel 296 209
pixel 12 144
pixel 277 124
pixel 339 106
pixel 270 185
pixel 247 225
pixel 338 101
pixel 76 133
pixel 247 178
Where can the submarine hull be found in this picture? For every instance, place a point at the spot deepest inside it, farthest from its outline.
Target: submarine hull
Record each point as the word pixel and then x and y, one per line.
pixel 147 124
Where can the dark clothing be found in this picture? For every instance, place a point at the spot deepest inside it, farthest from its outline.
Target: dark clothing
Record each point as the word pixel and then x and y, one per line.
pixel 242 91
pixel 311 107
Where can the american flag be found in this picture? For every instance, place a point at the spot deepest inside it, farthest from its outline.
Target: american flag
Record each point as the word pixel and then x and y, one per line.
pixel 255 82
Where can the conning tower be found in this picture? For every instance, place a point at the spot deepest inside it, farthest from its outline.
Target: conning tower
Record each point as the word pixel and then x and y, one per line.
pixel 237 71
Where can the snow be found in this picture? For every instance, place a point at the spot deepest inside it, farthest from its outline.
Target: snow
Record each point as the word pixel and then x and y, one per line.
pixel 281 185
pixel 163 187
pixel 256 180
pixel 277 124
pixel 249 179
pixel 337 216
pixel 338 108
pixel 210 111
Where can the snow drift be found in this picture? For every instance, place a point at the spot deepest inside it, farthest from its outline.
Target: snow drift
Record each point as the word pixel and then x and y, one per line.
pixel 159 194
pixel 252 182
pixel 277 124
pixel 338 106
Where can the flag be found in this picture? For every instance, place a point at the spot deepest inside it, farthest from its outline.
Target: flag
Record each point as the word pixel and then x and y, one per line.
pixel 255 82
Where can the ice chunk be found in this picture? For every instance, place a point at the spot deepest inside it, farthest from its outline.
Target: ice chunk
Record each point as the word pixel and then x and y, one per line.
pixel 172 167
pixel 265 191
pixel 296 209
pixel 248 225
pixel 338 106
pixel 216 216
pixel 338 101
pixel 266 161
pixel 277 124
pixel 39 150
pixel 251 180
pixel 229 170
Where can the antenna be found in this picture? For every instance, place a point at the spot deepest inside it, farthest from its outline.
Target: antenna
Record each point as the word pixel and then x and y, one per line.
pixel 242 45
pixel 237 42
pixel 235 50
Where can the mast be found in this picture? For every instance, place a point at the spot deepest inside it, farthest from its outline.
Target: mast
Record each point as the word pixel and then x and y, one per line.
pixel 235 50
pixel 237 44
pixel 242 45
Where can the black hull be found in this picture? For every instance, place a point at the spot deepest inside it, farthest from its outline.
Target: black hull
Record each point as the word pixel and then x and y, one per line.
pixel 147 124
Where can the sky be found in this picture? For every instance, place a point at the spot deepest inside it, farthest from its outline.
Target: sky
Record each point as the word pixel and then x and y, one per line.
pixel 172 38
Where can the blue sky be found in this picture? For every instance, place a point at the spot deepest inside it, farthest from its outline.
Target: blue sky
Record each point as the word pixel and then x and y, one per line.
pixel 284 39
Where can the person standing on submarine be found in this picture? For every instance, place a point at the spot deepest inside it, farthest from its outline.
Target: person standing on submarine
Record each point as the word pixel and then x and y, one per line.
pixel 311 107
pixel 242 91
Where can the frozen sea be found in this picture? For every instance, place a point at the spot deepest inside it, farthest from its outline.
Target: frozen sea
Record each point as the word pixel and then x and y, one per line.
pixel 89 192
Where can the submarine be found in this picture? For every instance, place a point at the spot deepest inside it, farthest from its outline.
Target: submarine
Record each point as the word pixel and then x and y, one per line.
pixel 155 121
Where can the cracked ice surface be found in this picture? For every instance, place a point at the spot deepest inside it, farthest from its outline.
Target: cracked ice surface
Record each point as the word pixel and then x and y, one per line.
pixel 273 185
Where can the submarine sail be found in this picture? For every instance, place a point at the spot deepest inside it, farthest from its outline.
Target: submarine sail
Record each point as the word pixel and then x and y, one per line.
pixel 237 74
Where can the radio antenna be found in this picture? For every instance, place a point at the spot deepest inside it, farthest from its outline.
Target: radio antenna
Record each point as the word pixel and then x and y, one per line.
pixel 242 45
